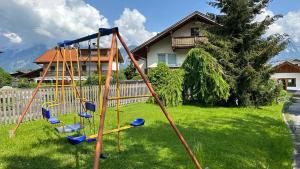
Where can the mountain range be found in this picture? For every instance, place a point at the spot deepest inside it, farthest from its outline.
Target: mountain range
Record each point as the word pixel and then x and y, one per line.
pixel 22 59
pixel 13 60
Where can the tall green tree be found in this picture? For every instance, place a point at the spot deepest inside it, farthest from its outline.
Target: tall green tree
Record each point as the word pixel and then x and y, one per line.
pixel 203 79
pixel 242 48
pixel 5 78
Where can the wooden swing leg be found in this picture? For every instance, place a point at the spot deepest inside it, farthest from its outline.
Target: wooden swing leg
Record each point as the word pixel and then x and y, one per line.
pixel 33 96
pixel 186 146
pixel 105 96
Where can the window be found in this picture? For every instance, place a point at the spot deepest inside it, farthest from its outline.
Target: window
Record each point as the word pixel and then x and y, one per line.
pixel 195 31
pixel 83 68
pixel 52 68
pixel 291 82
pixel 167 58
pixel 172 59
pixel 162 58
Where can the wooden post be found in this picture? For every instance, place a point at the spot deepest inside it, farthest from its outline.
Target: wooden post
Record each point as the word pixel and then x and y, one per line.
pixel 186 146
pixel 105 96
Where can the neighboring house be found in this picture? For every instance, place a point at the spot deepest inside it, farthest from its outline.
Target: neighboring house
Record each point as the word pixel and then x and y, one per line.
pixel 88 65
pixel 30 75
pixel 17 74
pixel 172 45
pixel 288 74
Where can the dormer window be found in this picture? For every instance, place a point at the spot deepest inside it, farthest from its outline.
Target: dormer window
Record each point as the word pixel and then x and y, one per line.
pixel 195 31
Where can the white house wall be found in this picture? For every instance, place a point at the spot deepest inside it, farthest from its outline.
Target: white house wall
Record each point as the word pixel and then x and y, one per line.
pixel 288 76
pixel 165 46
pixel 185 30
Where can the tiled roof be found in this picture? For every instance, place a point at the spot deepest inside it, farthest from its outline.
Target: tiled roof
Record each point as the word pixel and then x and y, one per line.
pixel 195 15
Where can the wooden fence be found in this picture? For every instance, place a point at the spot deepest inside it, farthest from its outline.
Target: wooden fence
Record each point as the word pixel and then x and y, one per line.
pixel 13 101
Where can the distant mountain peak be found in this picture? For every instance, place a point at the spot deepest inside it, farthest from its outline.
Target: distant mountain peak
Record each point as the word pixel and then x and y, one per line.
pixel 21 59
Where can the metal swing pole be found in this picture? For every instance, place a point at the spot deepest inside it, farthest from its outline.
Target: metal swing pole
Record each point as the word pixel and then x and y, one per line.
pixel 69 71
pixel 99 76
pixel 99 143
pixel 118 100
pixel 186 146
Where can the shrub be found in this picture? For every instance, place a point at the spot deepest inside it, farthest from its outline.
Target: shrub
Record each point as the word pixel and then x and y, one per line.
pixel 270 93
pixel 203 80
pixel 5 78
pixel 24 83
pixel 167 84
pixel 158 76
pixel 93 79
pixel 130 71
pixel 121 76
pixel 138 77
pixel 171 93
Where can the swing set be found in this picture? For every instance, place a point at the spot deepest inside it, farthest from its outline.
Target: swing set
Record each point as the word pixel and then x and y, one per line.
pixel 88 107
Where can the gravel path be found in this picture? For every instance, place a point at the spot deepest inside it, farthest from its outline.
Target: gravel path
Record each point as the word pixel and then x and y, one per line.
pixel 293 120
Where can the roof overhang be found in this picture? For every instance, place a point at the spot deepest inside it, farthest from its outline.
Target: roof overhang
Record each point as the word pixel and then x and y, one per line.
pixel 140 51
pixel 286 67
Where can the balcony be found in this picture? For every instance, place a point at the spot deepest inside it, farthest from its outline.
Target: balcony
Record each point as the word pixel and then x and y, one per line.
pixel 53 73
pixel 187 42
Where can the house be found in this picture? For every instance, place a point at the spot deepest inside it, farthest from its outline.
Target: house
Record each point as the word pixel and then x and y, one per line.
pixel 172 45
pixel 17 74
pixel 88 63
pixel 31 75
pixel 288 74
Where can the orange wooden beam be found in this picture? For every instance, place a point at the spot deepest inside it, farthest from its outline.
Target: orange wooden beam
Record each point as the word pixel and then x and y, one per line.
pixel 162 107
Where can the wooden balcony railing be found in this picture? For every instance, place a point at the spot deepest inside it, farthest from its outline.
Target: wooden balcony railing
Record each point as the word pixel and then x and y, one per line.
pixel 53 73
pixel 187 42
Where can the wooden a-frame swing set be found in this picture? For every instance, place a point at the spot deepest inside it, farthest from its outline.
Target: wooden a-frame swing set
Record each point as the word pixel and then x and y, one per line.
pixel 104 97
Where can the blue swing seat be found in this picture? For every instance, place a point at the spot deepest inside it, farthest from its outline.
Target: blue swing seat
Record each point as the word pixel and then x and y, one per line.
pixel 76 139
pixel 47 115
pixel 85 115
pixel 53 120
pixel 90 106
pixel 68 128
pixel 138 122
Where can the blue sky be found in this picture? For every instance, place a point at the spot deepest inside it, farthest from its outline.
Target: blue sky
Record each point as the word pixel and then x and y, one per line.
pixel 46 22
pixel 162 13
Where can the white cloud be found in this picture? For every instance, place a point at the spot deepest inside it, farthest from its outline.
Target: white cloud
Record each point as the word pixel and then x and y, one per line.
pixel 47 22
pixel 263 15
pixel 13 37
pixel 132 26
pixel 288 24
pixel 35 22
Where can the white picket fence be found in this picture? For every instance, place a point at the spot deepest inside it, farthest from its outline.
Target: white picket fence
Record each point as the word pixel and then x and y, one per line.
pixel 12 102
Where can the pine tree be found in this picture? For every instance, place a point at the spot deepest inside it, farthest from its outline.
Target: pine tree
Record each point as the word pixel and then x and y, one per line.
pixel 243 50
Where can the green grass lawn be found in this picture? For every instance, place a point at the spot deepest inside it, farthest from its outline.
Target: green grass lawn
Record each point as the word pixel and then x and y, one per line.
pixel 221 138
